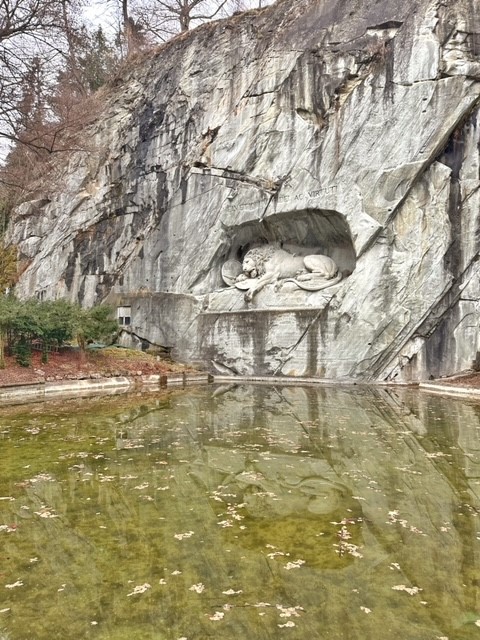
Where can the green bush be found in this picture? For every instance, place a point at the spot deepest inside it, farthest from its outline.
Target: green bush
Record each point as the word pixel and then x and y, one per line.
pixel 54 322
pixel 23 352
pixel 96 325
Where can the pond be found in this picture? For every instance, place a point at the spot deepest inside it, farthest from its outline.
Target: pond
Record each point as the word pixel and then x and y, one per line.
pixel 243 513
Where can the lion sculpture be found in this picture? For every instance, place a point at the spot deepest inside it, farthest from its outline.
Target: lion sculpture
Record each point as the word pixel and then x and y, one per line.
pixel 267 265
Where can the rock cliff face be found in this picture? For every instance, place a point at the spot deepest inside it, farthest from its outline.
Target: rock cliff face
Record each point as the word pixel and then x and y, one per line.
pixel 349 129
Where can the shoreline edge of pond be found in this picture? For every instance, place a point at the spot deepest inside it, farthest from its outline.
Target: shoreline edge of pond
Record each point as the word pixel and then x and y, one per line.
pixel 83 387
pixel 44 390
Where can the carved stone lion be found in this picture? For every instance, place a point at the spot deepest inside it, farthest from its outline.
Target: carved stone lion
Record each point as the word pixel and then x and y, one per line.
pixel 269 264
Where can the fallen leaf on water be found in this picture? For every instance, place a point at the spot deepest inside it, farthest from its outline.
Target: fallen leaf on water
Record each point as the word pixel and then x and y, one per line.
pixel 348 547
pixel 142 486
pixel 296 564
pixel 344 533
pixel 198 588
pixel 141 588
pixel 18 583
pixel 42 477
pixel 181 536
pixel 45 512
pixel 231 592
pixel 218 615
pixel 287 612
pixel 290 623
pixel 225 523
pixel 410 590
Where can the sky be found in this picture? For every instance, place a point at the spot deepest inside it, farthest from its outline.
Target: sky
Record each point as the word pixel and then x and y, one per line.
pixel 100 13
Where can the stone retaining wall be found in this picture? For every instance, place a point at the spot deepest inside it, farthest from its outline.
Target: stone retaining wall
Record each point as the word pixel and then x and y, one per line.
pixel 120 384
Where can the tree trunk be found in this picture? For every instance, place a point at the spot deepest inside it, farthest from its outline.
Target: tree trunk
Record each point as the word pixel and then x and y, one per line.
pixel 2 348
pixel 128 28
pixel 83 347
pixel 72 53
pixel 45 352
pixel 184 16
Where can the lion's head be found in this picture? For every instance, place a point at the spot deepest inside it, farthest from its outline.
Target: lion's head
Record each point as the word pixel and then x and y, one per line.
pixel 253 265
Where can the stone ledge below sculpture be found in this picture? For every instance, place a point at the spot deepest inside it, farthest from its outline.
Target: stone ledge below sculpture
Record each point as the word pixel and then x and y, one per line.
pixel 287 296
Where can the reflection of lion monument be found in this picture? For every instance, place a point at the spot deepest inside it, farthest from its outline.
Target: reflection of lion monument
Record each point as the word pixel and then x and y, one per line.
pixel 268 264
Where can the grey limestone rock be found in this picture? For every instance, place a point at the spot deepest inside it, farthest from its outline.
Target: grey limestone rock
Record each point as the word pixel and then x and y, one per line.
pixel 348 127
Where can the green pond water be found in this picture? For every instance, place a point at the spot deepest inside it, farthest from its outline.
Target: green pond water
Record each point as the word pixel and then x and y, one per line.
pixel 241 513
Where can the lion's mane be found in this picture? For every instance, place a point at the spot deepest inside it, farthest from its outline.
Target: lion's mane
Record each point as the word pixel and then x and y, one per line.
pixel 260 255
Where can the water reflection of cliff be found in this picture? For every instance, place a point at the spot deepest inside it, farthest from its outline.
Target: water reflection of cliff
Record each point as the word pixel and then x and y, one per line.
pixel 401 471
pixel 360 506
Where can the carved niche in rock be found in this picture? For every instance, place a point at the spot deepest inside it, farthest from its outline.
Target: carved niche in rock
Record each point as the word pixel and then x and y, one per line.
pixel 270 264
pixel 284 260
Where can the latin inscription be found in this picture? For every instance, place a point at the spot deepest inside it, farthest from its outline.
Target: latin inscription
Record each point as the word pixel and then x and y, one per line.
pixel 307 195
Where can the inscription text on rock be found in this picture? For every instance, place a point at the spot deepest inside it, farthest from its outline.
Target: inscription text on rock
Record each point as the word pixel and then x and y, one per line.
pixel 307 195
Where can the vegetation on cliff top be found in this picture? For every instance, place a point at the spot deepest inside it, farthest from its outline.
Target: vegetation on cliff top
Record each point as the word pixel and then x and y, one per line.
pixel 55 55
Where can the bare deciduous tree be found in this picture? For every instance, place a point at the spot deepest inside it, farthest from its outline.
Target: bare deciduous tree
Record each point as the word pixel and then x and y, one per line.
pixel 45 54
pixel 189 11
pixel 162 19
pixel 49 65
pixel 26 26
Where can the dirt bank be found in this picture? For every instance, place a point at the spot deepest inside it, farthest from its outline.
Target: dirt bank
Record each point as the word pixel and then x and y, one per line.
pixel 73 365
